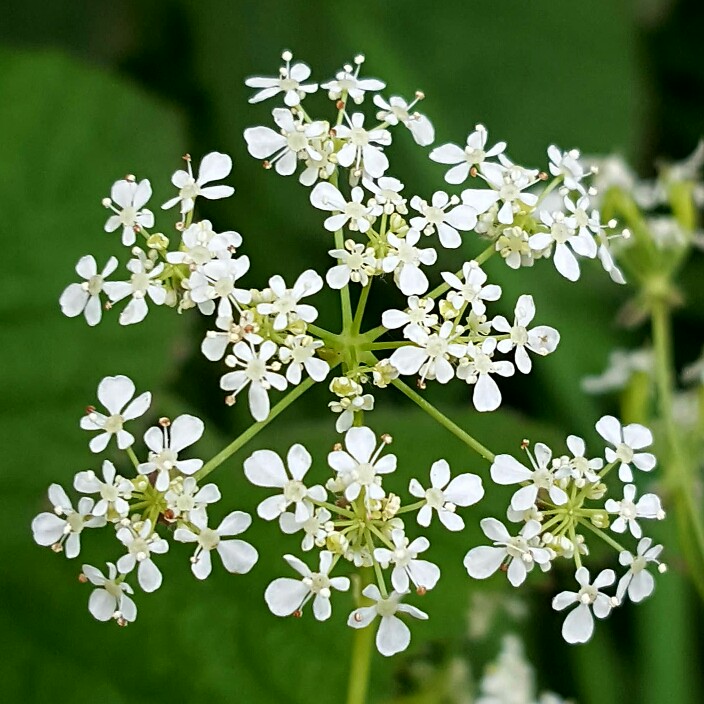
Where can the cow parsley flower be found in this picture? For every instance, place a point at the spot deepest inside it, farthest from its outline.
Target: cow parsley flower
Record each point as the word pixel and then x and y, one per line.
pixel 238 556
pixel 185 498
pixel 473 155
pixel 445 215
pixel 325 196
pixel 114 491
pixel 357 264
pixel 144 282
pixel 116 394
pixel 141 542
pixel 568 166
pixel 85 297
pixel 290 82
pixel 285 305
pixel 407 566
pixel 626 441
pixel 362 148
pixel 315 528
pixel 579 624
pixel 638 583
pixel 347 82
pixel 477 367
pixel 629 510
pixel 218 280
pixel 131 215
pixel 213 167
pixel 417 315
pixel 112 598
pixel 397 110
pixel 387 194
pixel 472 290
pixel 286 596
pixel 200 243
pixel 298 353
pixel 404 259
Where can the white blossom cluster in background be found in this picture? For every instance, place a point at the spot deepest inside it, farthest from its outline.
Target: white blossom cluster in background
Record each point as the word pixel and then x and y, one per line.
pixel 268 338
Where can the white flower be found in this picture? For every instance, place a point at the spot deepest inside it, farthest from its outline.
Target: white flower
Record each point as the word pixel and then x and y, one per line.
pixel 579 624
pixel 359 466
pixel 217 280
pixel 404 259
pixel 131 214
pixel 476 369
pixel 112 597
pixel 215 342
pixel 522 552
pixel 315 528
pixel 626 440
pixel 444 495
pixel 348 82
pixel 200 244
pixel 513 246
pixel 357 264
pixel 387 194
pixel 638 582
pixel 417 314
pixel 568 166
pixel 115 393
pixel 185 497
pixel 325 196
pixel 237 556
pixel 257 372
pixel 398 110
pixel 347 407
pixel 472 290
pixel 85 297
pixel 289 81
pixel 564 235
pixel 429 354
pixel 621 366
pixel 286 596
pixel 114 491
pixel 64 526
pixel 140 545
pixel 360 148
pixel 579 468
pixel 295 141
pixel 393 635
pixel 143 282
pixel 628 510
pixel 541 340
pixel 265 468
pixel 445 215
pixel 474 154
pixel 403 556
pixel 213 167
pixel 506 470
pixel 165 442
pixel 285 305
pixel 299 354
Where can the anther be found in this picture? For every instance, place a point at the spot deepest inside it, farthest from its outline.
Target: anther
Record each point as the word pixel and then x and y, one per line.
pixel 186 157
pixel 542 176
pixel 473 171
pixel 358 617
pixel 230 400
pixel 106 202
pixel 131 178
pixel 266 164
pixel 421 591
pixel 297 613
pixel 82 578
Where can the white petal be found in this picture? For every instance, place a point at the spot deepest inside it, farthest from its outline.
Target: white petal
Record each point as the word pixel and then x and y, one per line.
pixel 285 595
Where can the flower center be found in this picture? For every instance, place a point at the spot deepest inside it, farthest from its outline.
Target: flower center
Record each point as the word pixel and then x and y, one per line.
pixel 386 607
pixel 297 141
pixel 109 493
pixel 318 582
pixel 140 282
pixel 624 453
pixel 434 215
pixel 435 498
pixel 359 137
pixel 294 491
pixel 113 424
pixel 436 346
pixel 166 459
pixel 483 364
pixel 474 156
pixel 75 522
pixel 519 335
pixel 365 474
pixel 94 285
pixel 355 210
pixel 128 216
pixel 208 538
pixel 256 369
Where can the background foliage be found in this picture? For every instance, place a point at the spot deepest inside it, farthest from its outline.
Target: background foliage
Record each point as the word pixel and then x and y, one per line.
pixel 91 90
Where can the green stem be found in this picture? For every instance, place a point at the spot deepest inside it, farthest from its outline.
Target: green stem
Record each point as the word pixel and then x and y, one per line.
pixel 133 457
pixel 362 647
pixel 433 412
pixel 386 345
pixel 253 429
pixel 604 536
pixel 325 335
pixel 359 313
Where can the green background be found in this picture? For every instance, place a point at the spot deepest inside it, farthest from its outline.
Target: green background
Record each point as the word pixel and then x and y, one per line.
pixel 91 90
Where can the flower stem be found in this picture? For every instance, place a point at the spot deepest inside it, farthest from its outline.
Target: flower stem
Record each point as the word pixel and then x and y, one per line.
pixel 133 457
pixel 362 644
pixel 359 313
pixel 455 429
pixel 242 439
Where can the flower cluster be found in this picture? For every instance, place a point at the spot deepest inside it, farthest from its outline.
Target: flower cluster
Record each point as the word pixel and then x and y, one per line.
pixel 162 493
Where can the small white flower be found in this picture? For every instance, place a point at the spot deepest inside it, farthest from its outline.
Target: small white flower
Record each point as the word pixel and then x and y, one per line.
pixel 359 466
pixel 299 354
pixel 315 528
pixel 258 372
pixel 286 596
pixel 472 290
pixel 215 342
pixel 111 599
pixel 568 166
pixel 296 140
pixel 213 167
pixel 429 354
pixel 628 510
pixel 397 110
pixel 140 545
pixel 238 556
pixel 200 244
pixel 115 393
pixel 165 443
pixel 185 498
pixel 290 82
pixel 579 468
pixel 325 196
pixel 476 368
pixel 363 148
pixel 393 635
pixel 357 264
pixel 347 407
pixel 348 82
pixel 143 282
pixel 579 624
pixel 444 495
pixel 114 491
pixel 507 470
pixel 638 583
pixel 285 305
pixel 218 280
pixel 387 194
pixel 513 246
pixel 626 441
pixel 417 315
pixel 404 260
pixel 403 556
pixel 541 340
pixel 445 215
pixel 63 527
pixel 131 198
pixel 522 552
pixel 265 468
pixel 85 297
pixel 474 154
